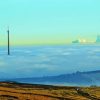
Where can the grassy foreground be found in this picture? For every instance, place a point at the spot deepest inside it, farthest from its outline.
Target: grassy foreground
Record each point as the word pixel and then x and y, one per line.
pixel 18 91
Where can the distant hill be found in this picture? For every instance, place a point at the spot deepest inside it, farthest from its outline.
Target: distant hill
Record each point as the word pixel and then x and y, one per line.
pixel 75 41
pixel 98 39
pixel 78 78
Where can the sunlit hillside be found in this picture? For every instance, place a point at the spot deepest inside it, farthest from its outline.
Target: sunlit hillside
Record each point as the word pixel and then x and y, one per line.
pixel 18 91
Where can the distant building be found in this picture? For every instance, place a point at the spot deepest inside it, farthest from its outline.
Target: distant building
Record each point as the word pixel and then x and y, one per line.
pixel 98 39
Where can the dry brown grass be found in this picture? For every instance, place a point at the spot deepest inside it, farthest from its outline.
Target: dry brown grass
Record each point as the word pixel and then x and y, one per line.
pixel 14 91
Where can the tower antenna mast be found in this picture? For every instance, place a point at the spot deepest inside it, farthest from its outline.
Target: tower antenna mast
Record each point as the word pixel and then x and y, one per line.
pixel 8 36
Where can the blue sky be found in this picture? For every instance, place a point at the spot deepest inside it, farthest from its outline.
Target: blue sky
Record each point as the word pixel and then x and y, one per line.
pixel 49 21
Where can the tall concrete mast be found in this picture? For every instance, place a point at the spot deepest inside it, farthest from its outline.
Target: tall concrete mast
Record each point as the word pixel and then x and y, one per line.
pixel 8 36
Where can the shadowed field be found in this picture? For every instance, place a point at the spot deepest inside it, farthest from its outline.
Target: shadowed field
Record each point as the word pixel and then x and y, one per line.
pixel 18 91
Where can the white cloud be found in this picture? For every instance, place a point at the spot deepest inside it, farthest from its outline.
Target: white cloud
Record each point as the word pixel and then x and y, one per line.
pixel 2 63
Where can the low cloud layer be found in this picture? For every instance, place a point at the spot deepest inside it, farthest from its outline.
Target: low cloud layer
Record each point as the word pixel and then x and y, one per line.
pixel 48 60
